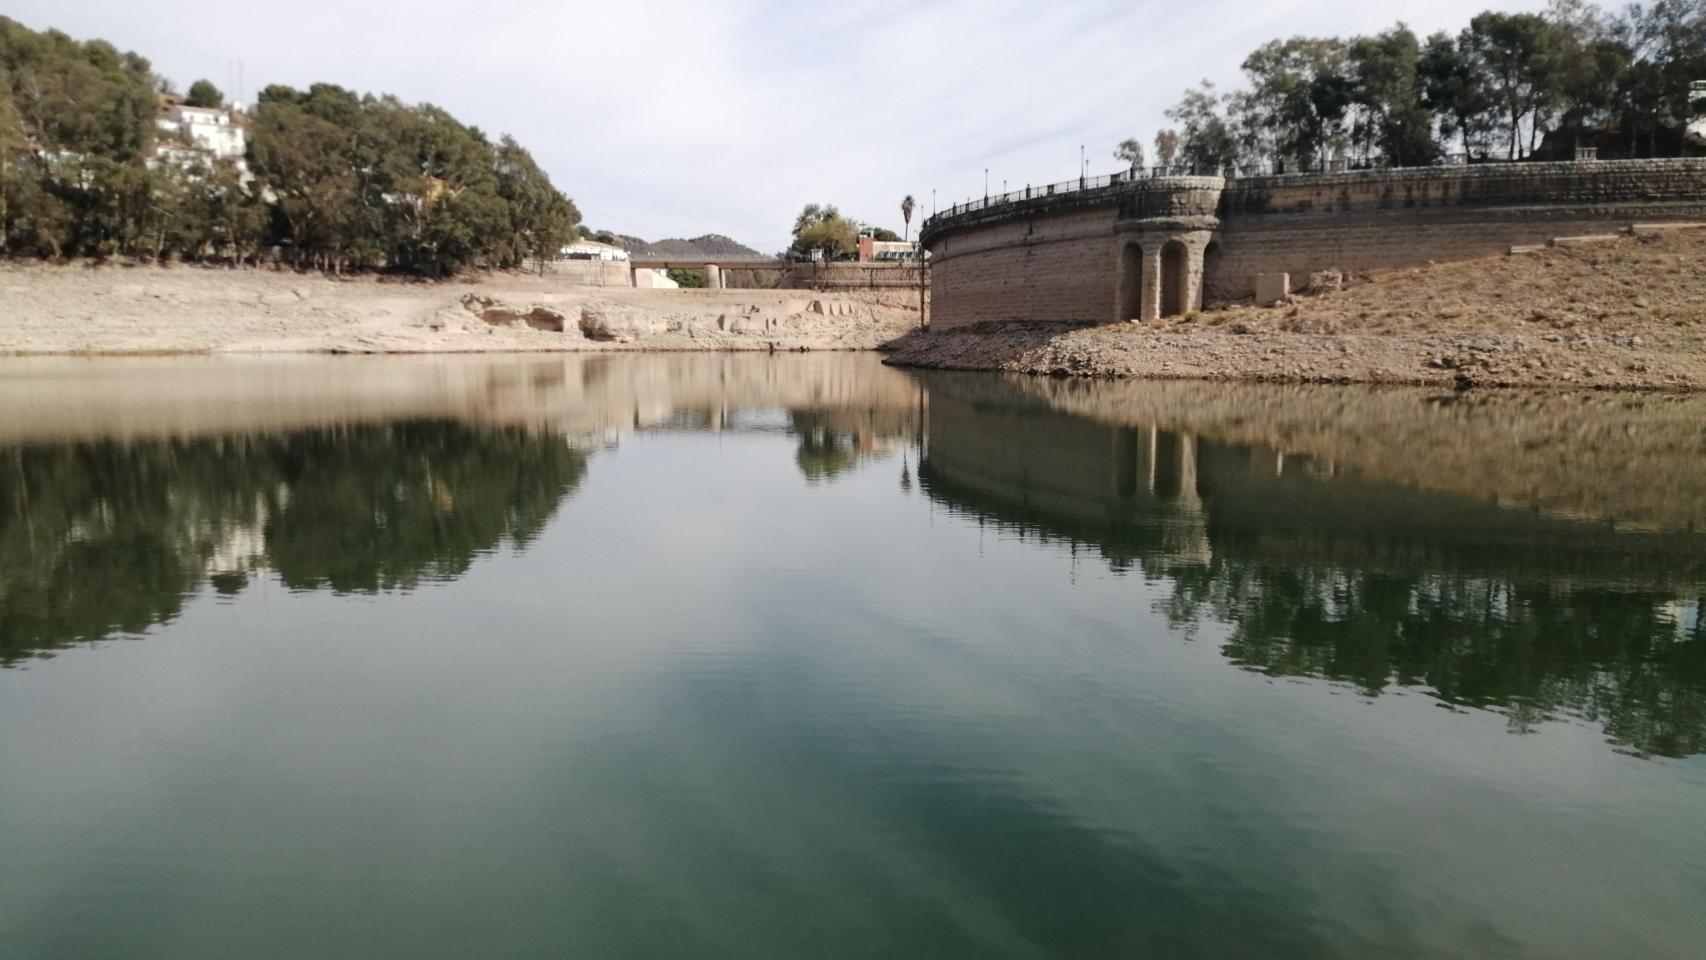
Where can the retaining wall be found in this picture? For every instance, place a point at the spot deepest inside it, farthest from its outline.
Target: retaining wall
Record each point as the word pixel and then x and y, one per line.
pixel 823 277
pixel 1049 266
pixel 1059 258
pixel 592 273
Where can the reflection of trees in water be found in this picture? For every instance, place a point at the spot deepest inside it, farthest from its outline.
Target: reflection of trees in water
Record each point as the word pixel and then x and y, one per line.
pixel 103 538
pixel 824 454
pixel 831 444
pixel 1628 660
pixel 422 501
pixel 1532 647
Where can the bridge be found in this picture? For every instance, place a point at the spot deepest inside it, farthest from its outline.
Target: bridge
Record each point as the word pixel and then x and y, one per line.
pixel 700 263
pixel 712 269
pixel 788 274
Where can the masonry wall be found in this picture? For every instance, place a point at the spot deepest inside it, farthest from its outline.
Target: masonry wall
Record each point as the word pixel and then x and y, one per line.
pixel 1032 261
pixel 834 276
pixel 755 278
pixel 1048 266
pixel 592 273
pixel 1378 219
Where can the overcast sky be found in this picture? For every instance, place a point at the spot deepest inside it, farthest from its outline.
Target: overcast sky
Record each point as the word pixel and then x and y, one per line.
pixel 682 118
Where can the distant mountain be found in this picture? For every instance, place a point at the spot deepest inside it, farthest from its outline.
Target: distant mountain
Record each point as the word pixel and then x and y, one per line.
pixel 711 246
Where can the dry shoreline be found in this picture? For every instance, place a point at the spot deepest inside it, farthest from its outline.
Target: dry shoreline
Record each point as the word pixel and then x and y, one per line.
pixel 115 310
pixel 1624 313
pixel 1617 363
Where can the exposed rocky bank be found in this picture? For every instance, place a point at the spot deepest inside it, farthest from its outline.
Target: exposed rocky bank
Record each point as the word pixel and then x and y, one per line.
pixel 1628 313
pixel 129 310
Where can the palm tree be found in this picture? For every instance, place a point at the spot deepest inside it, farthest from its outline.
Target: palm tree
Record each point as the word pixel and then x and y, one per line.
pixel 906 206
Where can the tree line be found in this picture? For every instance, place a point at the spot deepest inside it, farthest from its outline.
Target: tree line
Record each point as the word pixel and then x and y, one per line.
pixel 1508 86
pixel 336 180
pixel 823 231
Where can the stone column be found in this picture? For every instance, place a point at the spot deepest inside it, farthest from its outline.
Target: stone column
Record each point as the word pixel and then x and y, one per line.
pixel 713 277
pixel 1149 304
pixel 1195 251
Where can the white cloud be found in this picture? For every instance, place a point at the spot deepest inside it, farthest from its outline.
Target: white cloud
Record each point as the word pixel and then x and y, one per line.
pixel 663 117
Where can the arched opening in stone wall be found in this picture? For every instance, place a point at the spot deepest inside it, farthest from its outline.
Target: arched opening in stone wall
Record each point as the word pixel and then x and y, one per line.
pixel 1213 284
pixel 1175 278
pixel 1130 295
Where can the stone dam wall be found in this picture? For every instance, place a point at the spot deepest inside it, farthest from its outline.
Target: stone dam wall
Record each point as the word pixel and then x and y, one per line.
pixel 1144 248
pixel 826 277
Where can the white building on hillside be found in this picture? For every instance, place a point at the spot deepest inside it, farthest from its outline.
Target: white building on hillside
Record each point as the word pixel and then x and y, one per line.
pixel 191 133
pixel 591 250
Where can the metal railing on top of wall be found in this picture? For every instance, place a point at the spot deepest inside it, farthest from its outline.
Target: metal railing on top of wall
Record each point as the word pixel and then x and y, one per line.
pixel 1266 169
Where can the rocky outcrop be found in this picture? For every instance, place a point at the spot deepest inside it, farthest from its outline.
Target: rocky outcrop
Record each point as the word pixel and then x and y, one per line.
pixel 620 323
pixel 501 315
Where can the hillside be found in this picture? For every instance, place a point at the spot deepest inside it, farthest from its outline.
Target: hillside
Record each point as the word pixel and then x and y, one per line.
pixel 711 246
pixel 1629 313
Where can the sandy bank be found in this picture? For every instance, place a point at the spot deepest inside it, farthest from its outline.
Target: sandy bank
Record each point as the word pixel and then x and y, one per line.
pixel 120 310
pixel 1629 313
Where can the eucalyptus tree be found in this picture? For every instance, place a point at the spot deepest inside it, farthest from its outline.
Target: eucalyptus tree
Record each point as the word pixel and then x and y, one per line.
pixel 1388 91
pixel 299 160
pixel 1205 135
pixel 1450 89
pixel 1513 57
pixel 1668 41
pixel 1300 95
pixel 1166 148
pixel 1130 152
pixel 541 220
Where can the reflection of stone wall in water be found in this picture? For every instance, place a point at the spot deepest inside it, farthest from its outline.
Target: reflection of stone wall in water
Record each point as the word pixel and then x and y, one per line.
pixel 102 538
pixel 1591 455
pixel 1083 475
pixel 1322 572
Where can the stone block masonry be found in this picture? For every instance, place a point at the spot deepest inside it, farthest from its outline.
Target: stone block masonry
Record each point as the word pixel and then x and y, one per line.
pixel 1140 249
pixel 1272 288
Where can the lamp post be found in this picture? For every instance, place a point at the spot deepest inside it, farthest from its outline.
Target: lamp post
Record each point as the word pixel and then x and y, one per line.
pixel 985 184
pixel 1083 165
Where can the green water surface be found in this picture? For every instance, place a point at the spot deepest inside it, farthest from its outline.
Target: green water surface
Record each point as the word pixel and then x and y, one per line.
pixel 706 656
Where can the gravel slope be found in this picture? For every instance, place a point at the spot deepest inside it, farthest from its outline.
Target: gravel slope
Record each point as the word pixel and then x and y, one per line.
pixel 1628 313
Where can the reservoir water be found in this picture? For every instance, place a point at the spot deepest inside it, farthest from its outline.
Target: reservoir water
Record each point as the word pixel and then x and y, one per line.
pixel 804 656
